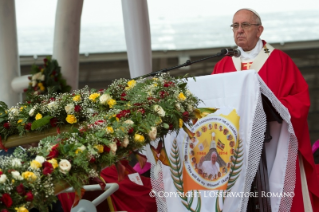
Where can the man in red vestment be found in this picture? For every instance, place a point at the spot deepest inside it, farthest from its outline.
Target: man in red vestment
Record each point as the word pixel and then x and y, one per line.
pixel 286 82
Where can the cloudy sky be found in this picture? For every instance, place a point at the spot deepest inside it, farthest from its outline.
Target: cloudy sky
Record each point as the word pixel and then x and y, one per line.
pixel 42 12
pixel 175 24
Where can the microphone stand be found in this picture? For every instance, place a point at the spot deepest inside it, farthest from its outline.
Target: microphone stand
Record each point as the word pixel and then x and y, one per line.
pixel 188 62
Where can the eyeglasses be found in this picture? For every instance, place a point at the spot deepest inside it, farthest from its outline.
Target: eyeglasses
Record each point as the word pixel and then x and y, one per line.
pixel 244 25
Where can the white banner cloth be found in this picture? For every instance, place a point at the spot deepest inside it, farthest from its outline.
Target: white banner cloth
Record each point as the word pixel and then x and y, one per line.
pixel 235 133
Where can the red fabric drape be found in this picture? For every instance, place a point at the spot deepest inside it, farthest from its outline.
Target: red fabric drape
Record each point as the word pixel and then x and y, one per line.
pixel 130 196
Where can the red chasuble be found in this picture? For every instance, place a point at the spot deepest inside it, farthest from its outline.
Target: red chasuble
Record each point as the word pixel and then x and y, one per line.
pixel 286 82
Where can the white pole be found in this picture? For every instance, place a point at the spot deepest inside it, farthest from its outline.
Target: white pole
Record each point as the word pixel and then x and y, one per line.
pixel 67 39
pixel 137 35
pixel 9 56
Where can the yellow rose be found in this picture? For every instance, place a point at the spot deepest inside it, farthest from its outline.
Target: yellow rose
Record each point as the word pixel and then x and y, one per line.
pixel 139 138
pixel 77 98
pixel 29 176
pixel 21 209
pixel 19 121
pixel 181 123
pixel 181 96
pixel 109 130
pixel 111 103
pixel 42 88
pixel 40 84
pixel 54 163
pixel 130 84
pixel 38 116
pixel 93 96
pixel 100 148
pixel 12 181
pixel 71 119
pixel 35 164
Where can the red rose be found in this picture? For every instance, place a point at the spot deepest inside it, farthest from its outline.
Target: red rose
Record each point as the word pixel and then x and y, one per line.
pixel 25 90
pixel 54 73
pixel 163 94
pixel 77 108
pixel 6 125
pixel 92 160
pixel 106 149
pixel 122 96
pixel 171 126
pixel 6 199
pixel 131 130
pixel 1 173
pixel 53 122
pixel 4 210
pixel 47 168
pixel 29 196
pixel 185 116
pixel 52 99
pixel 45 60
pixel 137 104
pixel 54 152
pixel 167 84
pixel 141 110
pixel 20 189
pixel 28 126
pixel 123 113
pixel 29 78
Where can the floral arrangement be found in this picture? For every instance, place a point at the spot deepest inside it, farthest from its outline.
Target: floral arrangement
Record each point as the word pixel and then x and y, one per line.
pixel 105 126
pixel 46 79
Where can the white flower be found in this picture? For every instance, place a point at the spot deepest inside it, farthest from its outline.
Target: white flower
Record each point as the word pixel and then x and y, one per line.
pixel 3 178
pixel 53 105
pixel 152 134
pixel 158 109
pixel 14 111
pixel 178 106
pixel 104 98
pixel 82 148
pixel 188 93
pixel 40 159
pixel 31 112
pixel 16 175
pixel 125 142
pixel 190 108
pixel 91 110
pixel 16 163
pixel 64 166
pixel 129 121
pixel 69 108
pixel 113 147
pixel 38 76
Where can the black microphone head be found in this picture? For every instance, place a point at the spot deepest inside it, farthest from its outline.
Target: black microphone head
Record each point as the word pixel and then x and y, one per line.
pixel 237 52
pixel 223 51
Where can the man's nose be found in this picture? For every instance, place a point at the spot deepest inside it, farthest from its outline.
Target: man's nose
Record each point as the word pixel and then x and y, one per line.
pixel 240 29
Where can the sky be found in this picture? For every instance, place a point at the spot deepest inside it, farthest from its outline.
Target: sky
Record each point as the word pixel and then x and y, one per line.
pixel 42 12
pixel 175 24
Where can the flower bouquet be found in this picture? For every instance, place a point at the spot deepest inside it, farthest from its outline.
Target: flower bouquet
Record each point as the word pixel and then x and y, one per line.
pixel 103 127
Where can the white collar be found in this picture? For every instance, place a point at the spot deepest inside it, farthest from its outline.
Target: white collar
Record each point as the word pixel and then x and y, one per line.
pixel 250 55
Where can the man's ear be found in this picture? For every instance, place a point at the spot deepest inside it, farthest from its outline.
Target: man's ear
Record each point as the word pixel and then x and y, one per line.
pixel 260 31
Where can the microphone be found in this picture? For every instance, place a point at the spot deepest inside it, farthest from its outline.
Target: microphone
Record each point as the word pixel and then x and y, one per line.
pixel 231 52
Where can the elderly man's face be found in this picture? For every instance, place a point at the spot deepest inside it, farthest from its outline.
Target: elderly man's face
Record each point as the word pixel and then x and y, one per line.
pixel 246 38
pixel 214 159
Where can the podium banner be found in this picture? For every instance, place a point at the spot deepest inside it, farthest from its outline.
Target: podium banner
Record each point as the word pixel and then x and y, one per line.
pixel 213 163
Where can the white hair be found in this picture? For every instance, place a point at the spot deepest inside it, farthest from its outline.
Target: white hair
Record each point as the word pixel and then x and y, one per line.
pixel 213 153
